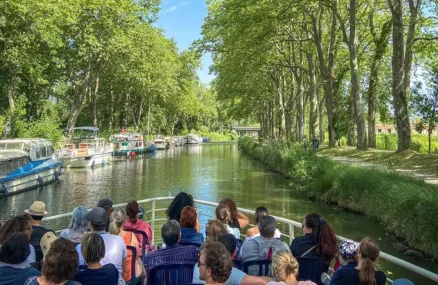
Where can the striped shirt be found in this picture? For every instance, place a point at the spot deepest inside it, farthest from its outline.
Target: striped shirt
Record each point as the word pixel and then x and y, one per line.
pixel 175 254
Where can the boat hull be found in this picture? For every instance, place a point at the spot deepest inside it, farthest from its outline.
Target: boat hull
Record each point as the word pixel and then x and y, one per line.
pixel 87 161
pixel 161 146
pixel 42 175
pixel 125 154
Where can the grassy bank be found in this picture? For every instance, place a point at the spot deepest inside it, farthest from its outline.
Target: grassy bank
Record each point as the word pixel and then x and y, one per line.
pixel 406 206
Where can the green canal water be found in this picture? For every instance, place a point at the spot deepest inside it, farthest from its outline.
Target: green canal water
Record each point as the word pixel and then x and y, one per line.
pixel 209 172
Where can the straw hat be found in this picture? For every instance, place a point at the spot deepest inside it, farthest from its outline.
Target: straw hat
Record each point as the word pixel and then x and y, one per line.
pixel 38 208
pixel 46 242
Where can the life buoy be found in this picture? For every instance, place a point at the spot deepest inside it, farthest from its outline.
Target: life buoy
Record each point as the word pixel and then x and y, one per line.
pixel 4 190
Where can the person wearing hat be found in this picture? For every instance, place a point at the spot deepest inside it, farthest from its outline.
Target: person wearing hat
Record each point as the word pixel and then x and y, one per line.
pixel 115 248
pixel 46 242
pixel 37 211
pixel 348 257
pixel 107 204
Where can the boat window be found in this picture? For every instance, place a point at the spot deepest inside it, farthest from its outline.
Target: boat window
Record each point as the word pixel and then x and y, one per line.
pixel 43 151
pixel 50 150
pixel 37 152
pixel 2 146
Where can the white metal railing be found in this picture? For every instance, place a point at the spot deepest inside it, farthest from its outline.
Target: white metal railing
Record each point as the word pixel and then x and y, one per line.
pixel 291 224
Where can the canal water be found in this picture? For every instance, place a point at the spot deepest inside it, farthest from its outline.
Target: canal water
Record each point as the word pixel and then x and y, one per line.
pixel 209 172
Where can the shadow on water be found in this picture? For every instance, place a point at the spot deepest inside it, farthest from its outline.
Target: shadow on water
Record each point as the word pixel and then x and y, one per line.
pixel 209 172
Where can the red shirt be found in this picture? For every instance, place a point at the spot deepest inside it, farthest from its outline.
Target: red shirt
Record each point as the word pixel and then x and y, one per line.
pixel 139 226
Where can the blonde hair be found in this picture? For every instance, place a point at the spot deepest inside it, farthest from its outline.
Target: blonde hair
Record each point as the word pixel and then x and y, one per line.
pixel 284 265
pixel 117 218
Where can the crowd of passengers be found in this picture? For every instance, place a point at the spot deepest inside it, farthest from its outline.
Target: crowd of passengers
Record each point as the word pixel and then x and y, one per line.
pixel 106 246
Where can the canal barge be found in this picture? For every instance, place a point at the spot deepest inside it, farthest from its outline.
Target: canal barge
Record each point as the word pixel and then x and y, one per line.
pixel 128 145
pixel 86 149
pixel 159 142
pixel 27 164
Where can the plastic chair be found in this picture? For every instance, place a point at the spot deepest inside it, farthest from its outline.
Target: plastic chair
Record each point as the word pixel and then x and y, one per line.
pixel 311 269
pixel 263 266
pixel 144 242
pixel 238 263
pixel 134 280
pixel 170 274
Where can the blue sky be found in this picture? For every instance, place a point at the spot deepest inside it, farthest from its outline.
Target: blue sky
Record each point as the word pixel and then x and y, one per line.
pixel 182 21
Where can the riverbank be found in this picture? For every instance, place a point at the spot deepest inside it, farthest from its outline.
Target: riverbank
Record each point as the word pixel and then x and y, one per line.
pixel 406 206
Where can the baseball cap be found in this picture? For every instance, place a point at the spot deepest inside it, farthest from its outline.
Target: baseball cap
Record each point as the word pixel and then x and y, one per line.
pixel 348 249
pixel 98 216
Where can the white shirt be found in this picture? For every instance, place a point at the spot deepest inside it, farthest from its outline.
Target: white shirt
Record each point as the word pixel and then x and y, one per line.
pixel 115 252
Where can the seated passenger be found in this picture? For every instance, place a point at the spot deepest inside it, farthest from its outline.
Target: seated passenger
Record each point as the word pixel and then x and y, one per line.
pixel 365 272
pixel 78 225
pixel 238 220
pixel 93 250
pixel 348 251
pixel 318 243
pixel 215 263
pixel 19 224
pixel 132 222
pixel 115 248
pixel 107 204
pixel 173 253
pixel 237 276
pixel 13 253
pixel 254 232
pixel 223 214
pixel 178 203
pixel 46 242
pixel 214 229
pixel 37 211
pixel 116 228
pixel 59 266
pixel 188 226
pixel 263 246
pixel 285 269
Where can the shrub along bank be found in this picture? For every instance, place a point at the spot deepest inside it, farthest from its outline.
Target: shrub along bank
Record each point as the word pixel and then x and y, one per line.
pixel 405 205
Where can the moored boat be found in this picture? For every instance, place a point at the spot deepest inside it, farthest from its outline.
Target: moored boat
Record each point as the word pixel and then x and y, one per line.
pixel 128 145
pixel 194 139
pixel 26 164
pixel 180 141
pixel 150 147
pixel 86 149
pixel 205 139
pixel 158 141
pixel 170 142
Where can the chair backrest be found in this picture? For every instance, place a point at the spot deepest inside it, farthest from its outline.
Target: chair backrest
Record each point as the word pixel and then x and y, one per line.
pixel 134 279
pixel 190 243
pixel 239 244
pixel 38 253
pixel 311 269
pixel 258 267
pixel 238 263
pixel 144 242
pixel 170 274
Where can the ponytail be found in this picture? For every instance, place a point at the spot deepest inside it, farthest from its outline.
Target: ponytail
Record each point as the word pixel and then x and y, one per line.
pixel 117 218
pixel 114 227
pixel 323 236
pixel 284 265
pixel 367 273
pixel 369 252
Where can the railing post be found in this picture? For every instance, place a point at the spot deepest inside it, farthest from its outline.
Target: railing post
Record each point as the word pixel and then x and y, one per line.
pixel 291 233
pixel 153 219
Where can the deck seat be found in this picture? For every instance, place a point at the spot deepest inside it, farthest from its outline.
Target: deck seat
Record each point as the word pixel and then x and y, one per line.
pixel 258 267
pixel 311 269
pixel 170 274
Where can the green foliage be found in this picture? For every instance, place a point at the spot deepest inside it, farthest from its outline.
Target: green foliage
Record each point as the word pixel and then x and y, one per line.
pixel 405 205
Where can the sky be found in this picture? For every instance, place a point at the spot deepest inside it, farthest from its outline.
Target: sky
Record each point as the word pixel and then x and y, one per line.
pixel 182 20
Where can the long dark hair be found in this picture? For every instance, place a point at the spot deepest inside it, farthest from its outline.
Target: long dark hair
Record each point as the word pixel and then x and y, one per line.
pixel 17 224
pixel 178 203
pixel 369 251
pixel 231 206
pixel 322 235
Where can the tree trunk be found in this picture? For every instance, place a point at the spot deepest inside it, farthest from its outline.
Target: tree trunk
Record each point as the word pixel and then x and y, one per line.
pixel 430 134
pixel 11 90
pixel 350 123
pixel 111 123
pixel 398 77
pixel 300 111
pixel 149 117
pixel 96 89
pixel 355 81
pixel 313 116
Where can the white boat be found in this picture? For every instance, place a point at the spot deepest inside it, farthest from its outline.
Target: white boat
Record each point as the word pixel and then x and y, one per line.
pixel 159 142
pixel 170 142
pixel 288 226
pixel 27 164
pixel 86 149
pixel 180 141
pixel 194 139
pixel 126 145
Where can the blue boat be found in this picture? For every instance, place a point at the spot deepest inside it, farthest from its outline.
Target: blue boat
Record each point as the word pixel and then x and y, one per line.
pixel 26 164
pixel 205 139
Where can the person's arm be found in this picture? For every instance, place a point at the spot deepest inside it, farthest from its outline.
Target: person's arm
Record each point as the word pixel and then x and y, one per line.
pixel 124 267
pixel 134 243
pixel 197 226
pixel 250 232
pixel 243 220
pixel 254 280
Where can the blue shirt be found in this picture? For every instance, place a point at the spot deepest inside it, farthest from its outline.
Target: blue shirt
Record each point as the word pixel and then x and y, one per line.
pixel 191 235
pixel 107 275
pixel 349 275
pixel 13 276
pixel 234 279
pixel 175 254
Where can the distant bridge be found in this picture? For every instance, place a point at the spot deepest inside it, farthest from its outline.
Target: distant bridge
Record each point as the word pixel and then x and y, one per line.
pixel 249 131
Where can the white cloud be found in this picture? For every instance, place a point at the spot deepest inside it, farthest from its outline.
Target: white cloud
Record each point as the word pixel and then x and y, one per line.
pixel 173 8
